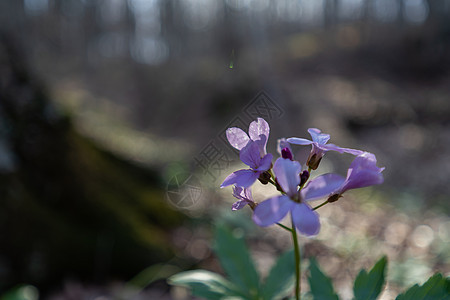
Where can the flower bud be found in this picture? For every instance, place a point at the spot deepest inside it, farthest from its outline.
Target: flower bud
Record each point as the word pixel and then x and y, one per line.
pixel 286 153
pixel 304 176
pixel 334 198
pixel 313 161
pixel 264 177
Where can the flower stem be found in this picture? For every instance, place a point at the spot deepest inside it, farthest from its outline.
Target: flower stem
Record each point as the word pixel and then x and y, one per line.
pixel 320 205
pixel 272 182
pixel 297 261
pixel 272 178
pixel 284 227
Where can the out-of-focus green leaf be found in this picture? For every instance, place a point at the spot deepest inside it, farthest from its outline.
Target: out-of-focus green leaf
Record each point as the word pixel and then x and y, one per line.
pixel 368 286
pixel 320 284
pixel 151 274
pixel 236 261
pixel 281 278
pixel 206 284
pixel 436 288
pixel 24 292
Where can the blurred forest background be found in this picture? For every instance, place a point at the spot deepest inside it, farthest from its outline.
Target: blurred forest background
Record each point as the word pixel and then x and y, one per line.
pixel 106 106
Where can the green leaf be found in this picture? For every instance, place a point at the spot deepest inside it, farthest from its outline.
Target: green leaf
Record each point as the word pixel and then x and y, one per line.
pixel 236 261
pixel 281 279
pixel 368 286
pixel 321 286
pixel 151 274
pixel 206 284
pixel 436 288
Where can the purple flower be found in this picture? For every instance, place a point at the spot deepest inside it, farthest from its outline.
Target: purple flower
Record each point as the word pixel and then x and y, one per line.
pixel 294 201
pixel 363 172
pixel 259 132
pixel 319 147
pixel 250 155
pixel 244 196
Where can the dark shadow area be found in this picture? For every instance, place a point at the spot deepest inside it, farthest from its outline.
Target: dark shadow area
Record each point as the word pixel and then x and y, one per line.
pixel 69 208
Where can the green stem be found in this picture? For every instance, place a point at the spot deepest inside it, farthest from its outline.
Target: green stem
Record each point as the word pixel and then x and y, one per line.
pixel 272 177
pixel 297 261
pixel 320 205
pixel 303 184
pixel 272 182
pixel 284 227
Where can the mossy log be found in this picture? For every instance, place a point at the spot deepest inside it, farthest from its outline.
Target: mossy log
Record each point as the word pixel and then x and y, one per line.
pixel 69 209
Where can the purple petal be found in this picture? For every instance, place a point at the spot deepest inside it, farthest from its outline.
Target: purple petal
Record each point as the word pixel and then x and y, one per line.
pixel 353 151
pixel 259 132
pixel 265 163
pixel 287 174
pixel 237 137
pixel 332 147
pixel 322 186
pixel 318 137
pixel 305 219
pixel 272 210
pixel 238 192
pixel 248 194
pixel 250 155
pixel 239 204
pixel 363 172
pixel 242 178
pixel 365 178
pixel 318 149
pixel 298 141
pixel 242 193
pixel 365 161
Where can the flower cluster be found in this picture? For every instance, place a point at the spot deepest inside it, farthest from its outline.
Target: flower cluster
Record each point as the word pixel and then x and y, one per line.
pixel 296 190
